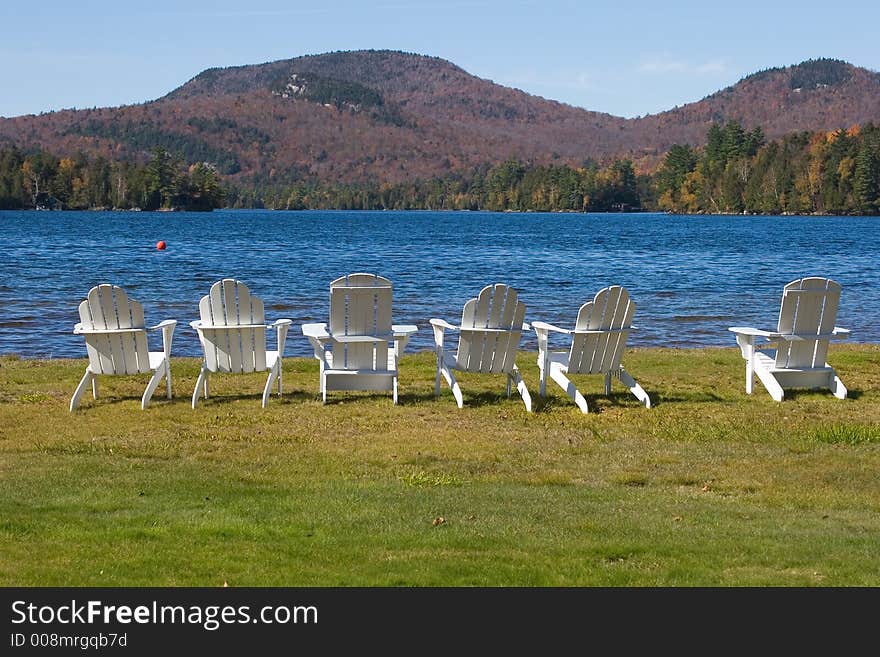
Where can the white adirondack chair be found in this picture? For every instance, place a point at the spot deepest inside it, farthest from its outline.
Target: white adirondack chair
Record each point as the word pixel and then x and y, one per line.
pixel 232 330
pixel 806 325
pixel 361 349
pixel 598 341
pixel 489 335
pixel 116 340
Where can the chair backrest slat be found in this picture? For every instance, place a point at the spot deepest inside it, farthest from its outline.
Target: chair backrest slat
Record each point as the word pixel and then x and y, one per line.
pixel 108 307
pixel 239 348
pixel 809 307
pixel 496 307
pixel 610 310
pixel 360 305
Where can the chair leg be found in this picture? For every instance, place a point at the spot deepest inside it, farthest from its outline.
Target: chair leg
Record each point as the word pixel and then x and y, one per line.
pixel 151 387
pixel 394 393
pixel 634 387
pixel 280 375
pixel 168 377
pixel 95 386
pixel 770 383
pixel 270 382
pixel 837 387
pixel 88 377
pixel 750 375
pixel 456 389
pixel 521 387
pixel 563 382
pixel 437 377
pixel 201 383
pixel 608 383
pixel 542 390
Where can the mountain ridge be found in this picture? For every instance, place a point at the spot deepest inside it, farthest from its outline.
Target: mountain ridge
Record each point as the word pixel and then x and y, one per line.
pixel 390 116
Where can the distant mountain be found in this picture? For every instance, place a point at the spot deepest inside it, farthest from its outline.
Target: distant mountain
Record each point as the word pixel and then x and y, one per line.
pixel 819 94
pixel 384 116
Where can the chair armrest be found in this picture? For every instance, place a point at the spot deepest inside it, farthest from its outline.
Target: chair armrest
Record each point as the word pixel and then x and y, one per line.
pixel 401 335
pixel 281 327
pixel 745 338
pixel 439 323
pixel 318 337
pixel 749 332
pixel 753 332
pixel 163 324
pixel 167 326
pixel 544 326
pixel 543 330
pixel 317 331
pixel 440 327
pixel 803 337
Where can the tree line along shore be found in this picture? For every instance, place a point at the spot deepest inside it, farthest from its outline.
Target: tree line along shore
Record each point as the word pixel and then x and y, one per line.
pixel 736 172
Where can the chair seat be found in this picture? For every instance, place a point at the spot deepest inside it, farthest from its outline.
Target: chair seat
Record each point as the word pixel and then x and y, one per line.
pixel 767 362
pixel 390 367
pixel 156 359
pixel 559 359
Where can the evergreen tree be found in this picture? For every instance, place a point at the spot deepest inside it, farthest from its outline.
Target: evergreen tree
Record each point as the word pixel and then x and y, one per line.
pixel 161 187
pixel 866 177
pixel 679 161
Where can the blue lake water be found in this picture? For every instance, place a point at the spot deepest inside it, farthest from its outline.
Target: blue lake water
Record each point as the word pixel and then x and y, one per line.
pixel 691 277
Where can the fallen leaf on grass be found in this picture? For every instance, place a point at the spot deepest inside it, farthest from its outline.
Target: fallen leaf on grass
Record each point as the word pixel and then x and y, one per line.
pixel 439 520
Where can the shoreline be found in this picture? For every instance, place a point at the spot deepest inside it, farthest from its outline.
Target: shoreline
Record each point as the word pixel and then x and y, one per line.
pixel 444 210
pixel 526 356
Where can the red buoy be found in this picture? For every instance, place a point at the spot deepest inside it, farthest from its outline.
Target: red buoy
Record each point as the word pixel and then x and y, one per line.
pixel 160 245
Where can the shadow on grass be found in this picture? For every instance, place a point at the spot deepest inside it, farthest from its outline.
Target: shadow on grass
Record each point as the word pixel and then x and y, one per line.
pixel 215 399
pixel 339 397
pixel 804 393
pixel 296 396
pixel 596 403
pixel 687 398
pixel 471 400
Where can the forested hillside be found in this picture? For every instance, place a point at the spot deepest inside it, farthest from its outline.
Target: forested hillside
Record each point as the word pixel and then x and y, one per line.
pixel 737 171
pixel 391 129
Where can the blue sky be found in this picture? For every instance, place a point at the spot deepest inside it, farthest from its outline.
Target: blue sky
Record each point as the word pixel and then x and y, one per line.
pixel 627 58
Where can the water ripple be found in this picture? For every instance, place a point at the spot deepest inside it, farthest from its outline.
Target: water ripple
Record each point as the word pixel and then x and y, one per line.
pixel 691 277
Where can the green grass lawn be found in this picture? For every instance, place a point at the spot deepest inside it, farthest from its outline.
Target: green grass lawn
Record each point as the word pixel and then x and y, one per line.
pixel 709 487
